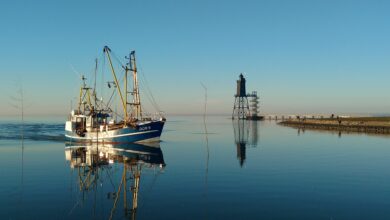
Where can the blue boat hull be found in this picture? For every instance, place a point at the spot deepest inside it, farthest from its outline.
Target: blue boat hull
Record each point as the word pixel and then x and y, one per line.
pixel 144 132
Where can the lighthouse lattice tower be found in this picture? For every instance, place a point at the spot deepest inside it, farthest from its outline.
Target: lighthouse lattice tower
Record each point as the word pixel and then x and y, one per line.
pixel 241 105
pixel 254 106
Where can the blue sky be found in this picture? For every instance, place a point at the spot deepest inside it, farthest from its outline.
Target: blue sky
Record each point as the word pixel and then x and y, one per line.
pixel 314 56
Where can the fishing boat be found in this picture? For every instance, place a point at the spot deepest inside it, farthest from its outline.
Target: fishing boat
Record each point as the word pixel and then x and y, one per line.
pixel 95 121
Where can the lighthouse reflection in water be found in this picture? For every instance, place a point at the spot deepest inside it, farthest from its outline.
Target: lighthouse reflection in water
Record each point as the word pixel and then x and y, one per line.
pixel 113 172
pixel 245 136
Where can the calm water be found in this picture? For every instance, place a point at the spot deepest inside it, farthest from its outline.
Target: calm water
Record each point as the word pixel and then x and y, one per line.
pixel 238 171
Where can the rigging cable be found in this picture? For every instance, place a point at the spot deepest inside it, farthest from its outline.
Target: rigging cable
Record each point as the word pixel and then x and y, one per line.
pixel 148 90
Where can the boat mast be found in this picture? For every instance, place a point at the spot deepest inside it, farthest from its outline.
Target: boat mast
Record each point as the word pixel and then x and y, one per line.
pixel 126 87
pixel 136 97
pixel 126 69
pixel 84 91
pixel 94 85
pixel 107 50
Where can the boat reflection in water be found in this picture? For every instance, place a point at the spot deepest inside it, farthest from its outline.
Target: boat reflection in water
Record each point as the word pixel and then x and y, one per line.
pixel 114 170
pixel 245 136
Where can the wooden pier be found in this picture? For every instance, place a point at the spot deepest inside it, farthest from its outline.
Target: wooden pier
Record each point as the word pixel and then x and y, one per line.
pixel 292 117
pixel 379 125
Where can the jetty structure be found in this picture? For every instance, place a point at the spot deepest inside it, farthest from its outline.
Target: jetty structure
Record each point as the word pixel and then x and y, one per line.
pixel 242 108
pixel 377 125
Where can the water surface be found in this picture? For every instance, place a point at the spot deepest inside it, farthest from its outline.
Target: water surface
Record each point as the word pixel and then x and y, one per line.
pixel 254 170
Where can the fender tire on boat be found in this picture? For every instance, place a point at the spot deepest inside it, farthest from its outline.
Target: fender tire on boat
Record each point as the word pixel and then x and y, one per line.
pixel 80 133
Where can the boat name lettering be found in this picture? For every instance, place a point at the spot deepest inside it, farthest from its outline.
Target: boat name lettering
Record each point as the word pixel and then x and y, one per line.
pixel 145 128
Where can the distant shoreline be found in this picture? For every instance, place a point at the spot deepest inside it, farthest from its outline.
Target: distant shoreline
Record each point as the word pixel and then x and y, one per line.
pixel 378 125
